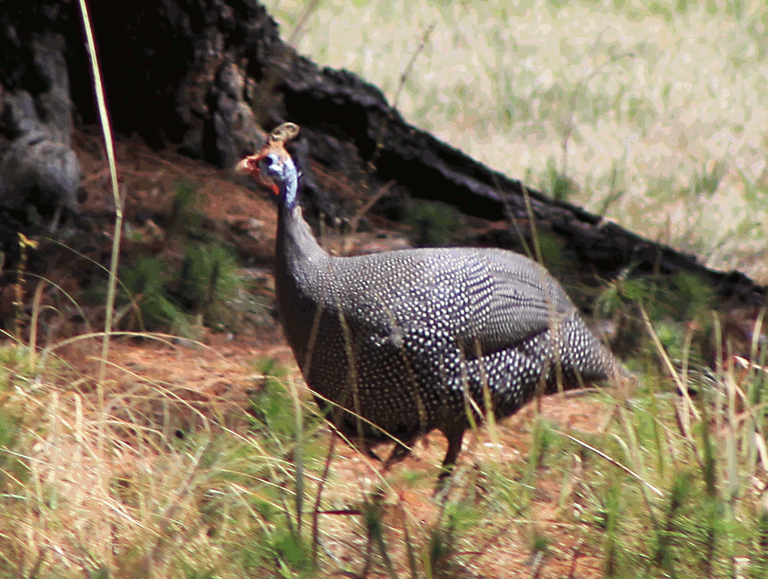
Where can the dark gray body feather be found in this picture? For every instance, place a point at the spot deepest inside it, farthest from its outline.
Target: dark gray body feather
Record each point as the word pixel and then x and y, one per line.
pixel 405 338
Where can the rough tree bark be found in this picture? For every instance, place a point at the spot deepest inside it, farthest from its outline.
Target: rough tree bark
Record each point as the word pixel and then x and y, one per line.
pixel 38 167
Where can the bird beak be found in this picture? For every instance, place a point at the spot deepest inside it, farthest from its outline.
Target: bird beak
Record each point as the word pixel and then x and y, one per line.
pixel 249 166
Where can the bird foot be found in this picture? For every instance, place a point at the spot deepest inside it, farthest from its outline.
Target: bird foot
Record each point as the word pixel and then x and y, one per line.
pixel 400 452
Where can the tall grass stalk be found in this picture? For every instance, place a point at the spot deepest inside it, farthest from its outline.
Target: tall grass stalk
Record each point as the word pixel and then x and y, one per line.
pixel 298 456
pixel 318 497
pixel 106 128
pixel 38 295
pixel 681 385
pixel 614 462
pixel 18 290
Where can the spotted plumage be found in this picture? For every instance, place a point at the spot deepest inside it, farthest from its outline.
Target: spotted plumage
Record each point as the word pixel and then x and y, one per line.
pixel 399 343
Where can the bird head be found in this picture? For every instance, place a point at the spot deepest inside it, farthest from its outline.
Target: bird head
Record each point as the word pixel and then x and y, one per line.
pixel 273 166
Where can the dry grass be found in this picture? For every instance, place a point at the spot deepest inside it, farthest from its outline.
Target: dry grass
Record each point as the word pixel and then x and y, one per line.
pixel 185 484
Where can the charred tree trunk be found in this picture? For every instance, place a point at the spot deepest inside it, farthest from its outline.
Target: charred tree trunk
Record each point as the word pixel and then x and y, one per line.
pixel 208 74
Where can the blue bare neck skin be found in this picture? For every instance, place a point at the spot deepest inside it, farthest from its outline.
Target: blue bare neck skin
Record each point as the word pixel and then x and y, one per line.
pixel 295 240
pixel 289 186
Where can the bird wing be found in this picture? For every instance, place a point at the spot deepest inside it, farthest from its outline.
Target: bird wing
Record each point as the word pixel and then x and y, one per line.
pixel 505 297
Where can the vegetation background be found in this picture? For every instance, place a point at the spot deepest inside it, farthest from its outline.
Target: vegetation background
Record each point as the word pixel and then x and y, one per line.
pixel 652 113
pixel 196 460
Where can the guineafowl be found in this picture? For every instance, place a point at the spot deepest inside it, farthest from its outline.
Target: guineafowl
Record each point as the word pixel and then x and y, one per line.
pixel 400 343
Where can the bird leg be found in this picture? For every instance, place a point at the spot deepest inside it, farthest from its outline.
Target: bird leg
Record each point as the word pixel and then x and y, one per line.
pixel 400 452
pixel 455 439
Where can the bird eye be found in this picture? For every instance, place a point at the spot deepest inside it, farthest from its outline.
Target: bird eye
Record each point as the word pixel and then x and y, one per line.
pixel 270 163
